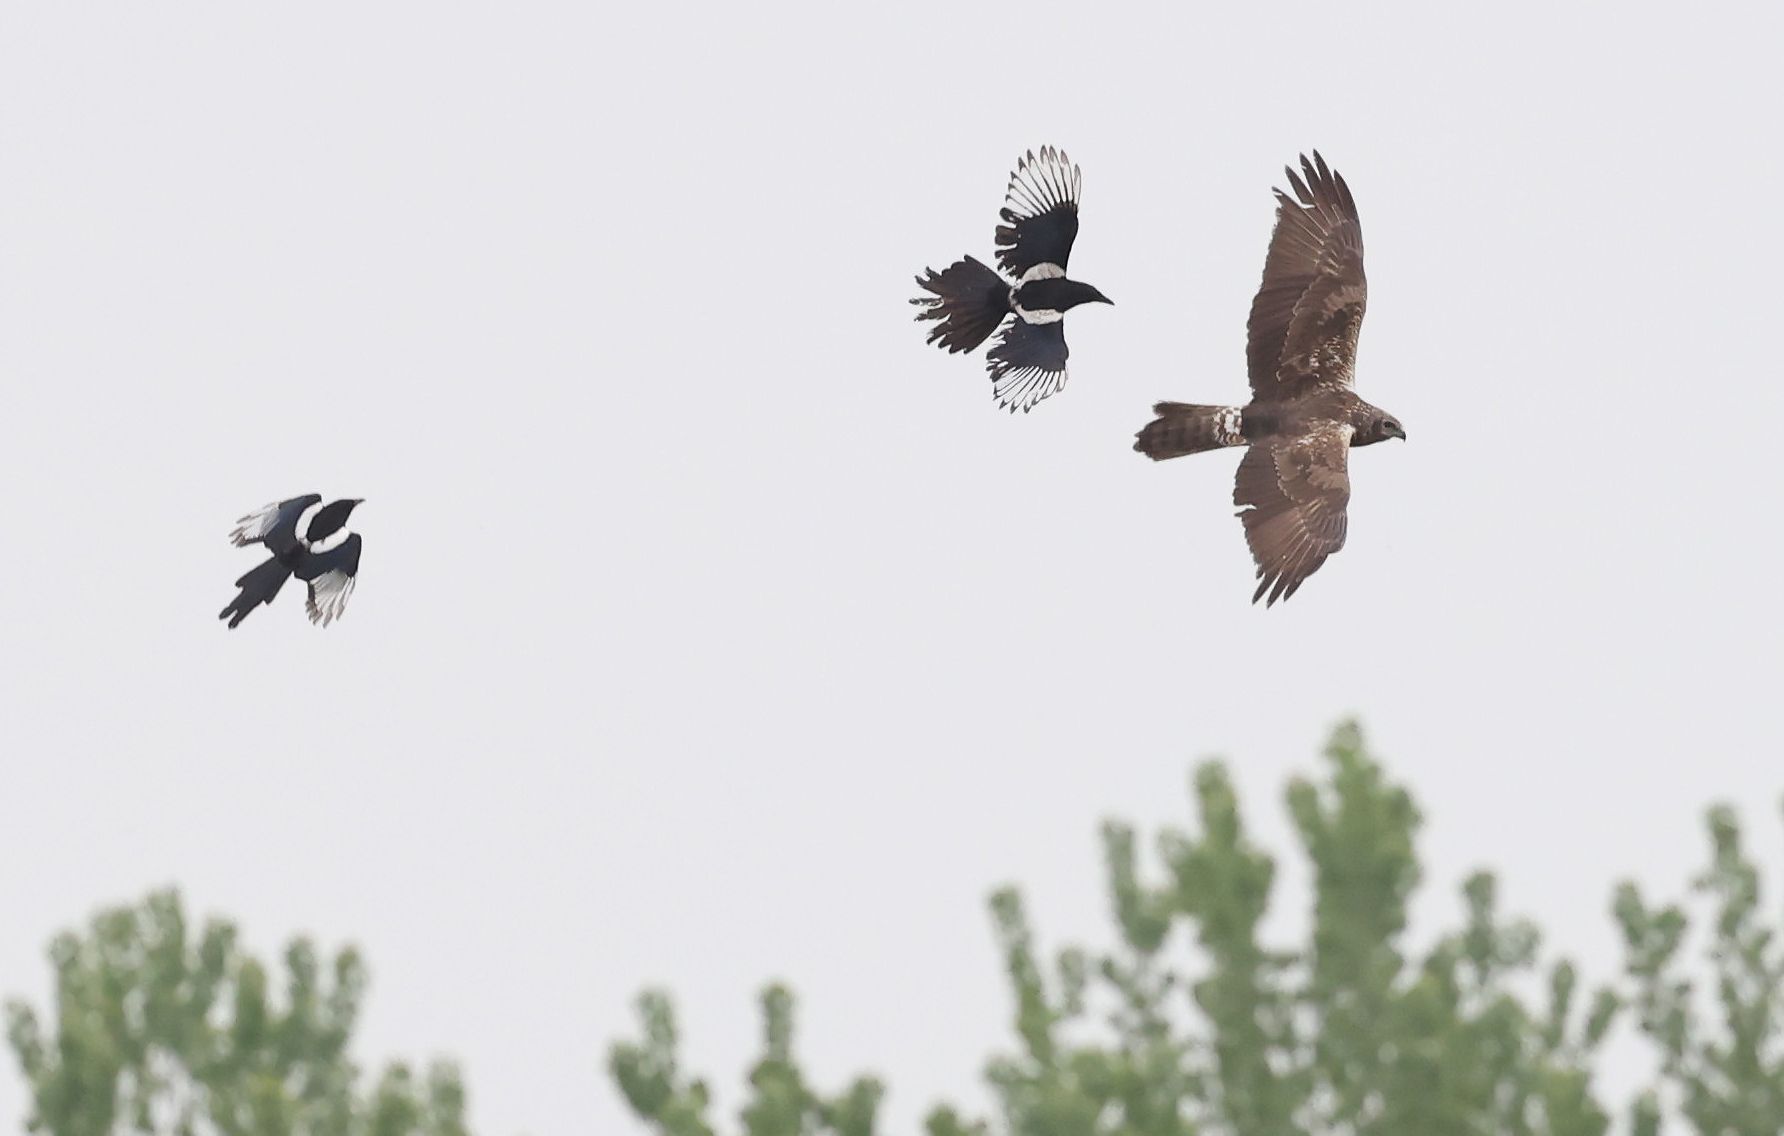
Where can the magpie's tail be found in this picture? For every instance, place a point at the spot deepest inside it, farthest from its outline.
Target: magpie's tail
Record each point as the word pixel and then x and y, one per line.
pixel 1182 428
pixel 968 299
pixel 258 586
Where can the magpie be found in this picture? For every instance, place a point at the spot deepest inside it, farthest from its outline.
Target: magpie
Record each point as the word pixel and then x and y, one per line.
pixel 326 557
pixel 970 300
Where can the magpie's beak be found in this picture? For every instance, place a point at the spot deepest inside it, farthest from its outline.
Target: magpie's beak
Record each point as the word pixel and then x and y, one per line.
pixel 1102 299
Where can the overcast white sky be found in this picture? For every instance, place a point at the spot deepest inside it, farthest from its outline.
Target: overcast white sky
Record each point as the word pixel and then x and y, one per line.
pixel 711 627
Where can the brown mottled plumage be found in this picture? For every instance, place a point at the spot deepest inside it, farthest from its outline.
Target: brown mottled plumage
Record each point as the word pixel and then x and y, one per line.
pixel 1293 486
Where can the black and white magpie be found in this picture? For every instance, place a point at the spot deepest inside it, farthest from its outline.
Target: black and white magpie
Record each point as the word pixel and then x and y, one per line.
pixel 326 557
pixel 1040 215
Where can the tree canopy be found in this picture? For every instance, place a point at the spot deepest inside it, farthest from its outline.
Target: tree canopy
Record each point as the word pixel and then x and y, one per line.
pixel 1195 1025
pixel 160 1027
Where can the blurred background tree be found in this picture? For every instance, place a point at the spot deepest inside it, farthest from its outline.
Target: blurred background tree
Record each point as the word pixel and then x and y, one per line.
pixel 157 1029
pixel 780 1101
pixel 1193 1024
pixel 1721 1064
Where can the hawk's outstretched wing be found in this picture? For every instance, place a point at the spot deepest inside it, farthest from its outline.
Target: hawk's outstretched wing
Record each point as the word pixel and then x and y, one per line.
pixel 1309 308
pixel 1293 493
pixel 1027 363
pixel 1040 214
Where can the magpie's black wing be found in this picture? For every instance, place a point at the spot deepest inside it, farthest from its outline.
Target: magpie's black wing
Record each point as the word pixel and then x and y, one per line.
pixel 330 576
pixel 274 525
pixel 1027 363
pixel 1040 214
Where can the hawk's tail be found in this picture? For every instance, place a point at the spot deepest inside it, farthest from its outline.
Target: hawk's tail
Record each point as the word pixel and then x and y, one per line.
pixel 968 299
pixel 258 585
pixel 1182 428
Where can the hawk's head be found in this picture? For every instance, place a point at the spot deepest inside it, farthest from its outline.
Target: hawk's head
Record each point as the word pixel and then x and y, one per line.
pixel 1379 428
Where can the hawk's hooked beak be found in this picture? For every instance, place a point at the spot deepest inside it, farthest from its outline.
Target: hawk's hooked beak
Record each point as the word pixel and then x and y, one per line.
pixel 1397 432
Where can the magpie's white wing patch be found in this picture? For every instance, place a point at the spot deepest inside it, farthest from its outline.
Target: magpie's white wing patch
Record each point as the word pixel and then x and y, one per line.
pixel 1040 213
pixel 329 594
pixel 1020 390
pixel 304 517
pixel 255 525
pixel 1027 363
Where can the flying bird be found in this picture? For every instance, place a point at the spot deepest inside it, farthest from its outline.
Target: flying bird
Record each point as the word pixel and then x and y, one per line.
pixel 1293 485
pixel 326 557
pixel 969 301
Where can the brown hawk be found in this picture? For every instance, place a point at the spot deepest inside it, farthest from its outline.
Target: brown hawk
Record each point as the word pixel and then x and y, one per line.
pixel 1303 418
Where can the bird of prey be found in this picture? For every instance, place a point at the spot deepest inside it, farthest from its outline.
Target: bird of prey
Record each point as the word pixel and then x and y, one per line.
pixel 326 557
pixel 1293 485
pixel 969 300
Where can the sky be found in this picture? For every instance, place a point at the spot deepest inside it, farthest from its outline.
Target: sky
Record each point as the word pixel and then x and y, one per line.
pixel 711 627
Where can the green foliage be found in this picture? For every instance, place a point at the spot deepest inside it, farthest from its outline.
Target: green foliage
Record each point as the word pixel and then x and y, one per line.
pixel 1194 1025
pixel 1724 1069
pixel 780 1103
pixel 162 1028
pixel 1348 1032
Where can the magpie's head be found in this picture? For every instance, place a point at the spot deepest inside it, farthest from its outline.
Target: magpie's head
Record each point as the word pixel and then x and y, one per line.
pixel 331 518
pixel 1083 294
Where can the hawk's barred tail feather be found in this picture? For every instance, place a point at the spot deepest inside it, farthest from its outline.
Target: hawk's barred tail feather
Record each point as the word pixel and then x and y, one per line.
pixel 968 299
pixel 1183 428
